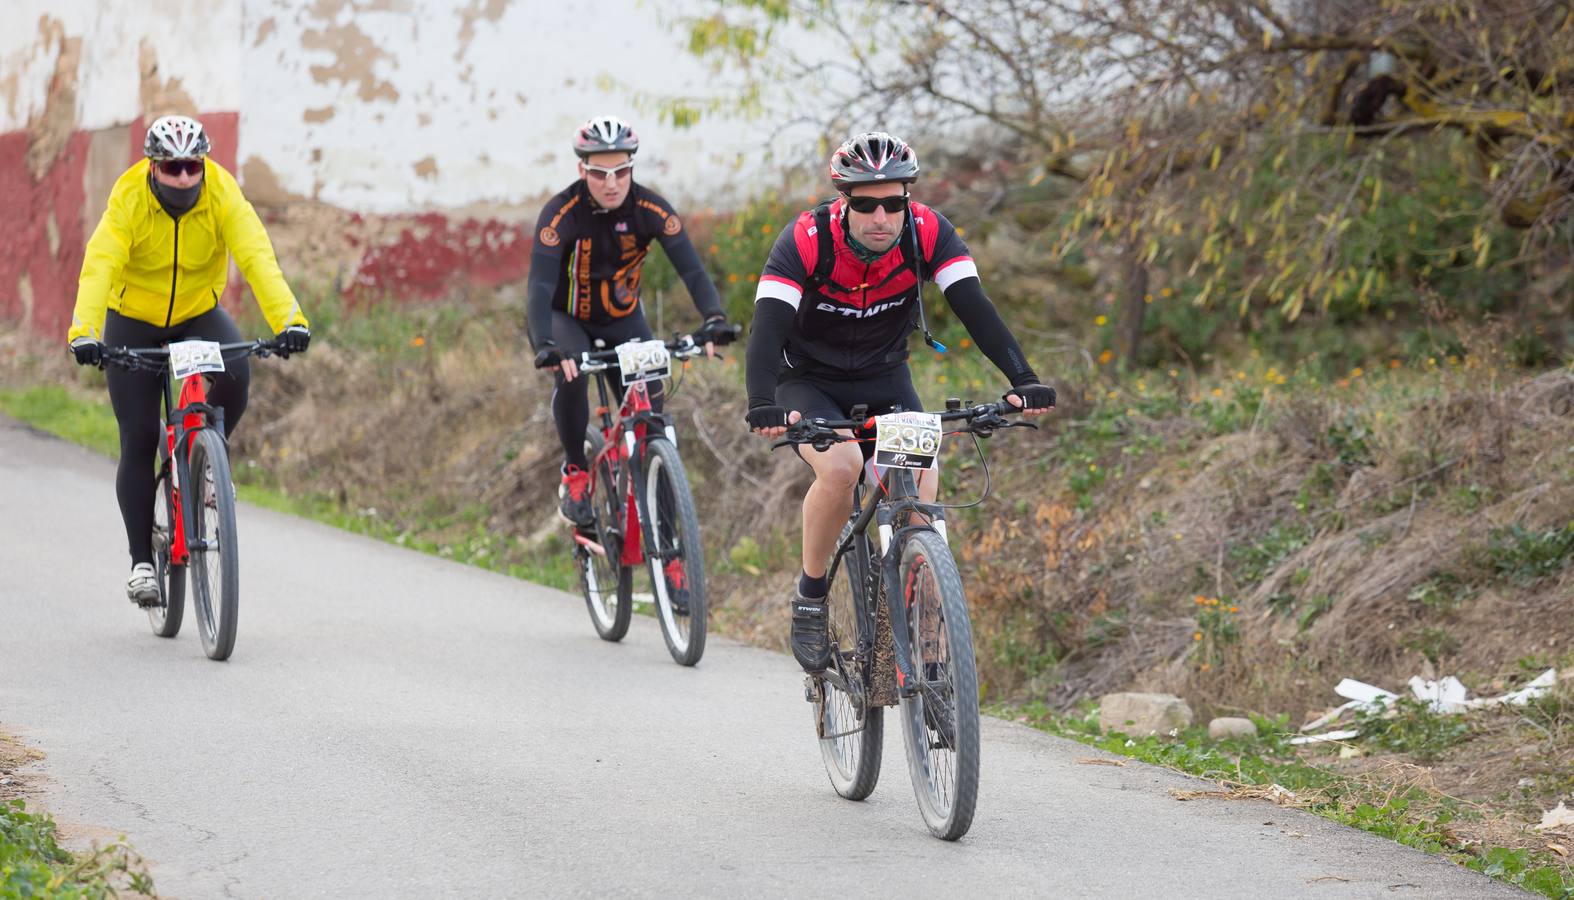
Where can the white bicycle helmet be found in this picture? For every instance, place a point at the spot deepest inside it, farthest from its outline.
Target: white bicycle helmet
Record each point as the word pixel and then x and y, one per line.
pixel 176 137
pixel 605 134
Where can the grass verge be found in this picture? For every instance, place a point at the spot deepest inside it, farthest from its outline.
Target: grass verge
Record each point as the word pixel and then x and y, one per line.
pixel 1395 801
pixel 33 864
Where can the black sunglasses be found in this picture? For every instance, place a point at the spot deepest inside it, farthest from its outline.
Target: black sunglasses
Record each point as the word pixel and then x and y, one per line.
pixel 870 204
pixel 175 168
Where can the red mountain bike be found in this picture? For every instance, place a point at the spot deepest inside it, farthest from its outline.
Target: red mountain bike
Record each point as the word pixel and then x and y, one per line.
pixel 193 529
pixel 644 511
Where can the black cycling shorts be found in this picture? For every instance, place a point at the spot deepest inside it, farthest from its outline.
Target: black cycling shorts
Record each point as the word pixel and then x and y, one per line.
pixel 816 396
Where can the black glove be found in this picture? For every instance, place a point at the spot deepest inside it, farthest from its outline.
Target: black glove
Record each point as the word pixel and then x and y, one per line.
pixel 716 331
pixel 549 356
pixel 766 417
pixel 87 351
pixel 294 339
pixel 1035 396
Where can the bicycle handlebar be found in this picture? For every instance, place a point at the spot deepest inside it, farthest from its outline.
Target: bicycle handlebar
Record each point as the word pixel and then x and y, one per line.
pixel 982 419
pixel 683 346
pixel 156 359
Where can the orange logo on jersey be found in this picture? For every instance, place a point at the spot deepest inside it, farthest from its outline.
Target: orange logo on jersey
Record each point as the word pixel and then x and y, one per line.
pixel 549 237
pixel 672 225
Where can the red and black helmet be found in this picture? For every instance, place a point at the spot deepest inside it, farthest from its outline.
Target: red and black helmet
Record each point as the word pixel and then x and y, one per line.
pixel 873 157
pixel 605 134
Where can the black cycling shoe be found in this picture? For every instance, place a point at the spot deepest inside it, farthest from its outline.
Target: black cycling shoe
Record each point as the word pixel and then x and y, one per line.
pixel 811 644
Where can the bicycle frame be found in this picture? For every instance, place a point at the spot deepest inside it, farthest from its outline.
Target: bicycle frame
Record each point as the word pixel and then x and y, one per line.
pixel 886 509
pixel 195 414
pixel 623 443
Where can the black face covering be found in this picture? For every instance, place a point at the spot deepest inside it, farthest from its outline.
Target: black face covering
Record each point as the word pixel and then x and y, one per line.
pixel 176 201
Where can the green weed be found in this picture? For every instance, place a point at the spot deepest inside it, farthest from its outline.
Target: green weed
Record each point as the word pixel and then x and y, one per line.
pixel 1413 729
pixel 1525 556
pixel 33 864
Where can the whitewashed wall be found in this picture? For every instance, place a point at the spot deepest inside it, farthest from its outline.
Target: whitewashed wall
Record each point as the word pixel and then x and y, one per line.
pixel 386 106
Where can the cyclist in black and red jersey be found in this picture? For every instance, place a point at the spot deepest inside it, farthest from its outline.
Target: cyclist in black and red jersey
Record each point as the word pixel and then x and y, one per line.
pixel 591 241
pixel 833 312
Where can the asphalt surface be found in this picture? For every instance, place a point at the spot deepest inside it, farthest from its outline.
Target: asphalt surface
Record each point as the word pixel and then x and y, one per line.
pixel 392 724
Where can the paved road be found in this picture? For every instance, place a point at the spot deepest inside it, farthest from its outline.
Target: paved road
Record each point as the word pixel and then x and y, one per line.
pixel 397 725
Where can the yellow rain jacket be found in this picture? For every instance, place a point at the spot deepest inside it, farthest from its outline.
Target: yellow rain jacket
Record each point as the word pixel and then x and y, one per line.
pixel 150 267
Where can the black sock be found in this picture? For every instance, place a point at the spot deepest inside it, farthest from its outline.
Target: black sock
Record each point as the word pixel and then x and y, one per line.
pixel 812 588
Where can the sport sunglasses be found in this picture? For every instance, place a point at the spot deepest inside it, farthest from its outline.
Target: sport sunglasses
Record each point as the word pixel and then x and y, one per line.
pixel 174 168
pixel 602 173
pixel 870 204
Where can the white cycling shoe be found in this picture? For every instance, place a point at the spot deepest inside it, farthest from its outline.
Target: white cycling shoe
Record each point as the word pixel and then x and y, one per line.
pixel 142 586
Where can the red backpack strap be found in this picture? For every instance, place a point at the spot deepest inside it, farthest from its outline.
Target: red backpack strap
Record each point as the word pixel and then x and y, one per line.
pixel 819 268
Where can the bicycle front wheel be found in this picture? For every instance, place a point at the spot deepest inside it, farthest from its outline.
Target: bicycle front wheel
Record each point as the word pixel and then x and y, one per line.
pixel 215 552
pixel 607 583
pixel 940 712
pixel 677 561
pixel 166 615
pixel 850 728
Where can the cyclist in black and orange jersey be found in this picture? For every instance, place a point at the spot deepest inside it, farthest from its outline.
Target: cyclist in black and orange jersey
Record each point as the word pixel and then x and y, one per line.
pixel 590 244
pixel 834 311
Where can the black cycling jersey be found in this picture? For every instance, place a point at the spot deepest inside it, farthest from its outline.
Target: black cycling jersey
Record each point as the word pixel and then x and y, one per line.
pixel 850 319
pixel 586 261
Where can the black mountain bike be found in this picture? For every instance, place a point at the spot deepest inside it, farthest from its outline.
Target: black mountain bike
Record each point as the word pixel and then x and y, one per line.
pixel 899 628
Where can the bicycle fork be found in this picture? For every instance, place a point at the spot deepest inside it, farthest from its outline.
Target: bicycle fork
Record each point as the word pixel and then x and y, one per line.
pixel 895 600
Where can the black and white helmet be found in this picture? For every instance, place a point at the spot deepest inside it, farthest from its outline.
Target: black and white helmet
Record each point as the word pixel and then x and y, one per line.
pixel 175 137
pixel 873 157
pixel 605 134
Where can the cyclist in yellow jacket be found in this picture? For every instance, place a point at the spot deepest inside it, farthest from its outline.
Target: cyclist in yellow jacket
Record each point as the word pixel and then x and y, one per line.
pixel 152 273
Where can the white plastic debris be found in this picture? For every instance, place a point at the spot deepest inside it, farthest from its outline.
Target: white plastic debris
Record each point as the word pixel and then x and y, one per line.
pixel 1361 692
pixel 1326 736
pixel 1445 696
pixel 1538 686
pixel 1559 816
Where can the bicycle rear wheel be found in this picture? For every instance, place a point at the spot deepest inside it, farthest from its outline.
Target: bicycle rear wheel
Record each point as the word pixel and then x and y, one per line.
pixel 851 730
pixel 167 614
pixel 608 585
pixel 676 558
pixel 215 552
pixel 940 718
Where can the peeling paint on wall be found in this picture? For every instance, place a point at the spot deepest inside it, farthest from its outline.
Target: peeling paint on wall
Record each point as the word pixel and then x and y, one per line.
pixel 393 146
pixel 39 267
pixel 160 95
pixel 474 11
pixel 433 256
pixel 355 58
pixel 48 133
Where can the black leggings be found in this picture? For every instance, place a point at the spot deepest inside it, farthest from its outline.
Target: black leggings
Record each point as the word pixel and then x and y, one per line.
pixel 137 398
pixel 570 399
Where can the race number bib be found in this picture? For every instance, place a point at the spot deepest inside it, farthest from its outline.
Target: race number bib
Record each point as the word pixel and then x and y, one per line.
pixel 187 358
pixel 907 440
pixel 644 361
